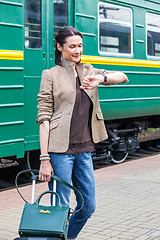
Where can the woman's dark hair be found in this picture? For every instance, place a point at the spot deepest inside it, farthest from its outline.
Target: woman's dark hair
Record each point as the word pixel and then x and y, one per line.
pixel 61 39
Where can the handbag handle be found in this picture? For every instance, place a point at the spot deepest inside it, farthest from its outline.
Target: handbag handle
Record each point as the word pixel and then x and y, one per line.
pixel 53 177
pixel 40 196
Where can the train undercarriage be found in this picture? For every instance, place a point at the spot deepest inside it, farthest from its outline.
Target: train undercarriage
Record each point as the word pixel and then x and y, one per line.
pixel 123 138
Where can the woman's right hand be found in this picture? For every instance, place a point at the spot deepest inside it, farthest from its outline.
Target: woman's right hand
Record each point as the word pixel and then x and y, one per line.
pixel 45 171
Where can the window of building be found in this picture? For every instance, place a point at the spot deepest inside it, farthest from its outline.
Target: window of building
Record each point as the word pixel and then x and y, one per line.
pixel 33 24
pixel 153 35
pixel 115 29
pixel 60 15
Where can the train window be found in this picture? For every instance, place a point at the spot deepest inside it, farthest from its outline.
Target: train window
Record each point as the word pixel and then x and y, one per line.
pixel 33 24
pixel 153 35
pixel 60 15
pixel 115 29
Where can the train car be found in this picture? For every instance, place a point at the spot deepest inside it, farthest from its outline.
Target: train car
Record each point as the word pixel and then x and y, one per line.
pixel 118 35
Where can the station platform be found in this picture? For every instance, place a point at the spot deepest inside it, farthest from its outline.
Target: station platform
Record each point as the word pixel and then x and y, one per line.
pixel 128 203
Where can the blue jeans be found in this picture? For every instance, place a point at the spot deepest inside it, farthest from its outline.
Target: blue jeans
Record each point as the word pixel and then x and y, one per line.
pixel 77 168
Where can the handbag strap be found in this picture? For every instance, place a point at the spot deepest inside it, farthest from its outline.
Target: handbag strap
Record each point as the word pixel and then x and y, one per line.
pixel 46 192
pixel 35 171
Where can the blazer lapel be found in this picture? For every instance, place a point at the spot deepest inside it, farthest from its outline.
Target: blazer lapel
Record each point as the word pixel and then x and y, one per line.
pixel 70 69
pixel 79 68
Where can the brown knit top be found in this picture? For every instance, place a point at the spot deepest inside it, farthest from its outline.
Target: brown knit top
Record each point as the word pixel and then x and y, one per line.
pixel 80 131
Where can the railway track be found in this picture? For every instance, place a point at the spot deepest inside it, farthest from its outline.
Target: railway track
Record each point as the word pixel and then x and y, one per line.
pixel 8 171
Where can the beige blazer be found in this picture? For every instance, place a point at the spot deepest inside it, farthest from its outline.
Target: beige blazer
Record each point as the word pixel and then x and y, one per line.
pixel 56 101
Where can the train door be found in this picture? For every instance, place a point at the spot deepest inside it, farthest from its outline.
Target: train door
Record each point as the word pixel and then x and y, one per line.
pixel 43 18
pixel 86 23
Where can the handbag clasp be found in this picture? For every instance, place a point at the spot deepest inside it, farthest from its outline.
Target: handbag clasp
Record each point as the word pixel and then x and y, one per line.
pixel 47 211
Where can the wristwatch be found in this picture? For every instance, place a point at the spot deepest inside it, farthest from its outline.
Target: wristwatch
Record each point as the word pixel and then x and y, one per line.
pixel 105 77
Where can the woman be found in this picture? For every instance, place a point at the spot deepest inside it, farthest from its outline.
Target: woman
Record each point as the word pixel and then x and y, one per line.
pixel 71 122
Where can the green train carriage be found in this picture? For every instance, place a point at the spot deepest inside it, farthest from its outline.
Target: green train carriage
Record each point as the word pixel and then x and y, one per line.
pixel 117 36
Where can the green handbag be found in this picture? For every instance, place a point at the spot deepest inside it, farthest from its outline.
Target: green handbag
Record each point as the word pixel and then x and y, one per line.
pixel 45 221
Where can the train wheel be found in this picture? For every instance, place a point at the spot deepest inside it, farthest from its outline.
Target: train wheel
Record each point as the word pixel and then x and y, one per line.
pixel 118 157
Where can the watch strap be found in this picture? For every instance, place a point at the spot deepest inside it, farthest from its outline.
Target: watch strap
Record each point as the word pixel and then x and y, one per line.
pixel 105 77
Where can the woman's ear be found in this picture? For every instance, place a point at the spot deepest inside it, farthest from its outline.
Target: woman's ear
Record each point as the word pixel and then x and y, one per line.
pixel 59 47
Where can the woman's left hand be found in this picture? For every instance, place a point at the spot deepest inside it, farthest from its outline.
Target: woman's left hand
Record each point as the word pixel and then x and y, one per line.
pixel 90 82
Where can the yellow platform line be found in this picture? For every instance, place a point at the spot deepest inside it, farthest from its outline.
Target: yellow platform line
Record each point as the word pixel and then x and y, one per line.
pixel 11 55
pixel 120 61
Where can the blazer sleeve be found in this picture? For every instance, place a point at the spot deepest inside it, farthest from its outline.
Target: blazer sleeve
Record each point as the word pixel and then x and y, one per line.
pixel 45 98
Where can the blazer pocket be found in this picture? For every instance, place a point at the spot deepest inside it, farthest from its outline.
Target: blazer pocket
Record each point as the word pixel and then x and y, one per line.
pixel 55 121
pixel 99 116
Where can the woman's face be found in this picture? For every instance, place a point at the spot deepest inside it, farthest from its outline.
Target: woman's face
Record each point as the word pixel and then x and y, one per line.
pixel 72 49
